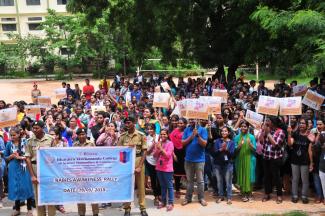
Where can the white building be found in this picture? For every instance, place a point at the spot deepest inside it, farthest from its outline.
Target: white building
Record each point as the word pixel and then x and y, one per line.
pixel 24 16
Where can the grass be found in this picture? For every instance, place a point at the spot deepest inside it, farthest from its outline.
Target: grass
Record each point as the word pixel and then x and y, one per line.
pixel 293 213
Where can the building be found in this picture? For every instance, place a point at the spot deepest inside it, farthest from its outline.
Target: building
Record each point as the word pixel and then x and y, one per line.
pixel 24 16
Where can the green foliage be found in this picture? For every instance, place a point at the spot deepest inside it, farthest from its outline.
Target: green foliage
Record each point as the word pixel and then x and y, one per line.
pixel 59 75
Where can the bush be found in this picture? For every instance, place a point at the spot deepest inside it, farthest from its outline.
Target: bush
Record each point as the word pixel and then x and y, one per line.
pixel 59 75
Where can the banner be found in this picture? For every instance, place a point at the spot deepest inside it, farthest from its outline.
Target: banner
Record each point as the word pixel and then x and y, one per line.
pixel 268 105
pixel 214 104
pixel 32 110
pixel 254 119
pixel 313 99
pixel 221 93
pixel 85 175
pixel 161 99
pixel 60 93
pixel 299 90
pixel 97 109
pixel 290 106
pixel 197 109
pixel 44 101
pixel 8 117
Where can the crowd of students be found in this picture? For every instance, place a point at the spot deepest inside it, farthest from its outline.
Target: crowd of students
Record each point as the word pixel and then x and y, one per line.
pixel 216 153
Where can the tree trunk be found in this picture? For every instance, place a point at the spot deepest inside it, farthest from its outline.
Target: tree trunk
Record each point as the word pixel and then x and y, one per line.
pixel 231 76
pixel 220 73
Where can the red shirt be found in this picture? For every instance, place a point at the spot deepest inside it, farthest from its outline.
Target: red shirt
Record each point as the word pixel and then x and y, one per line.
pixel 88 90
pixel 176 138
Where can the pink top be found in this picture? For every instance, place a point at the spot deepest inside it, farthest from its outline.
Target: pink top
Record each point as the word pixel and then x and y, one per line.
pixel 176 138
pixel 165 162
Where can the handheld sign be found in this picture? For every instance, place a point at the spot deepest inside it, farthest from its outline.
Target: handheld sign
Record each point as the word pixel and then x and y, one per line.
pixel 254 119
pixel 31 111
pixel 44 101
pixel 128 98
pixel 197 109
pixel 8 117
pixel 214 104
pixel 182 107
pixel 313 99
pixel 268 105
pixel 60 93
pixel 290 106
pixel 299 90
pixel 221 93
pixel 97 109
pixel 161 99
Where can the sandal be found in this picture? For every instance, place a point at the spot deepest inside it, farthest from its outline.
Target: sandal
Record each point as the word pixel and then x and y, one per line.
pixel 170 207
pixel 229 202
pixel 245 199
pixel 266 198
pixel 161 205
pixel 279 200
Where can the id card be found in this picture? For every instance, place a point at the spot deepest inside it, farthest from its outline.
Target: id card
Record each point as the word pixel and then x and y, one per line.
pixel 268 148
pixel 226 158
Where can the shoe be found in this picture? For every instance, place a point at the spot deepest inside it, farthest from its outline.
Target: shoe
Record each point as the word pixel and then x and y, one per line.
pixel 279 200
pixel 220 199
pixel 305 200
pixel 144 213
pixel 229 202
pixel 170 207
pixel 15 213
pixel 266 198
pixel 203 202
pixel 127 213
pixel 185 202
pixel 294 200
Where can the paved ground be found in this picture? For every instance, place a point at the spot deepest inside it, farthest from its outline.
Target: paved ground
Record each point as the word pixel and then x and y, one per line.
pixel 194 209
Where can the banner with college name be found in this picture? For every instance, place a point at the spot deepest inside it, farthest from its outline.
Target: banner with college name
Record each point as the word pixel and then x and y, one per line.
pixel 85 175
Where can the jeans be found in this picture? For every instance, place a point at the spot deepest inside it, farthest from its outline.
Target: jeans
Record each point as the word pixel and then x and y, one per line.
pixel 317 185
pixel 272 177
pixel 166 185
pixel 322 179
pixel 300 171
pixel 192 170
pixel 208 172
pixel 224 175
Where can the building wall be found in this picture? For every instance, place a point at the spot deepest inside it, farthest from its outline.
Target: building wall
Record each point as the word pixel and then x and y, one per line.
pixel 22 12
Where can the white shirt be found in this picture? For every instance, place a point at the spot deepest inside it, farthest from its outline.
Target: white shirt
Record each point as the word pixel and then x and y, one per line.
pixel 150 158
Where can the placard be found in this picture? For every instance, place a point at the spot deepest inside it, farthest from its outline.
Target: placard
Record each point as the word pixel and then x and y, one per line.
pixel 165 86
pixel 97 109
pixel 290 106
pixel 128 98
pixel 85 175
pixel 214 104
pixel 299 90
pixel 8 117
pixel 182 107
pixel 221 93
pixel 44 101
pixel 32 110
pixel 268 105
pixel 161 99
pixel 60 93
pixel 254 119
pixel 313 99
pixel 197 109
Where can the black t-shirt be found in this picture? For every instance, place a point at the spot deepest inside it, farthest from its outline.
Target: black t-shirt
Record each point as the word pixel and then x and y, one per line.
pixel 300 149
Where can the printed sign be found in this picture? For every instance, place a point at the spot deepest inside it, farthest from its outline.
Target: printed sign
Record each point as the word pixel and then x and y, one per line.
pixel 290 106
pixel 60 93
pixel 32 110
pixel 97 109
pixel 8 117
pixel 221 93
pixel 254 119
pixel 182 107
pixel 214 104
pixel 44 101
pixel 197 109
pixel 161 99
pixel 299 90
pixel 85 175
pixel 268 105
pixel 313 100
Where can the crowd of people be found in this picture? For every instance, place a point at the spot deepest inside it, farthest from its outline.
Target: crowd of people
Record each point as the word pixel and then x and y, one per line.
pixel 215 154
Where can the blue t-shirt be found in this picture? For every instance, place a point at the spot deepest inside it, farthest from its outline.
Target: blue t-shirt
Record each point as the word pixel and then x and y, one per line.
pixel 194 151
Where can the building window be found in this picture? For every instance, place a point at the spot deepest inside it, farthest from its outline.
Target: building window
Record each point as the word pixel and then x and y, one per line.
pixel 8 19
pixel 7 3
pixel 62 2
pixel 33 2
pixel 9 27
pixel 34 26
pixel 34 18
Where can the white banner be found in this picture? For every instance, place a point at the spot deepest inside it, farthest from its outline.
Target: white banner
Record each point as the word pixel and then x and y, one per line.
pixel 290 106
pixel 214 104
pixel 268 105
